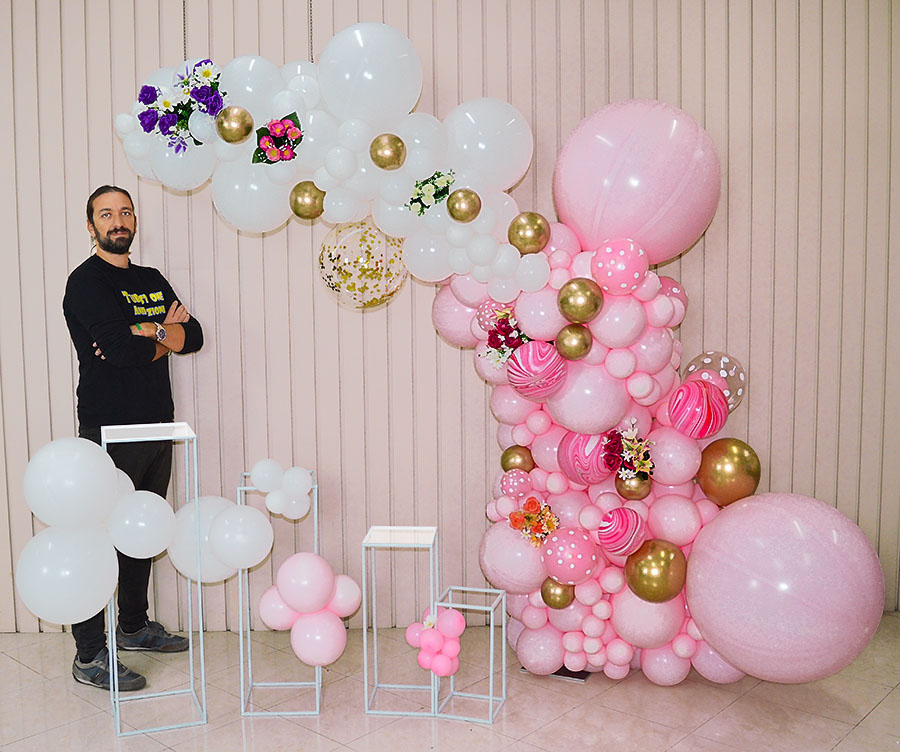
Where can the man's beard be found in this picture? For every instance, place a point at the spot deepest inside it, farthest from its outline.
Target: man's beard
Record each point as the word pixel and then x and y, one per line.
pixel 118 245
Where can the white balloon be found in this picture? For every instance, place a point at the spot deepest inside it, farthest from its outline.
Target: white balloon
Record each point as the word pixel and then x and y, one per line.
pixel 141 167
pixel 397 189
pixel 287 101
pixel 482 249
pixel 427 256
pixel 419 130
pixel 503 290
pixel 276 501
pixel 504 209
pixel 71 482
pixel 507 261
pixel 396 221
pixel 533 272
pixel 324 180
pixel 297 507
pixel 492 139
pixel 436 218
pixel 142 524
pixel 185 170
pixel 356 134
pixel 245 197
pixel 459 234
pixel 308 89
pixel 137 144
pixel 67 574
pixel 370 70
pixel 183 548
pixel 226 152
pixel 290 71
pixel 365 181
pixel 251 82
pixel 482 273
pixel 202 127
pixel 340 205
pixel 340 162
pixel 297 481
pixel 486 222
pixel 125 122
pixel 420 163
pixel 459 261
pixel 241 536
pixel 161 78
pixel 285 173
pixel 125 484
pixel 319 134
pixel 266 475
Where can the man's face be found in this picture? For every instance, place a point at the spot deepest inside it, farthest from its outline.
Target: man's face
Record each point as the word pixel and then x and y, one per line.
pixel 114 223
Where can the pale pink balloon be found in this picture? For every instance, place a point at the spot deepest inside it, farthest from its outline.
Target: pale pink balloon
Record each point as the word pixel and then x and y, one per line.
pixel 468 290
pixel 306 582
pixel 514 628
pixel 611 579
pixel 710 665
pixel 539 422
pixel 480 334
pixel 645 624
pixel 568 618
pixel 486 368
pixel 589 592
pixel 521 435
pixel 413 631
pixel 431 640
pixel 558 277
pixel 590 517
pixel 663 667
pixel 676 457
pixel 684 646
pixel 569 555
pixel 515 602
pixel 508 406
pixel 491 512
pixel 607 501
pixel 681 489
pixel 442 665
pixel 538 316
pixel 785 587
pixel 452 319
pixel 575 661
pixel 274 612
pixel 504 439
pixel 557 483
pixel 642 417
pixel 619 266
pixel 648 289
pixel 509 561
pixel 538 479
pixel 653 350
pixel 639 385
pixel 564 239
pixel 708 510
pixel 620 363
pixel 540 651
pixel 619 652
pixel 659 311
pixel 536 599
pixel 319 638
pixel 638 168
pixel 675 519
pixel 568 505
pixel 596 355
pixel 590 402
pixel 593 626
pixel 620 322
pixel 559 260
pixel 506 505
pixel 424 659
pixel 573 641
pixel 545 448
pixel 347 596
pixel 616 672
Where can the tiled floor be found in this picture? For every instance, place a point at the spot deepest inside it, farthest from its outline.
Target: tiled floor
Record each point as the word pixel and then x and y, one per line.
pixel 42 708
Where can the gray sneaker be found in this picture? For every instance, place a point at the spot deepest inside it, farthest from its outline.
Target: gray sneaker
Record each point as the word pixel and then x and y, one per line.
pixel 152 636
pixel 96 673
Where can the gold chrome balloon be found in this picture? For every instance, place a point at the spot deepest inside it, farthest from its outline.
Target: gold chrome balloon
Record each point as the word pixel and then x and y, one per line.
pixel 388 151
pixel 234 124
pixel 517 457
pixel 579 300
pixel 633 489
pixel 656 571
pixel 729 470
pixel 556 595
pixel 574 341
pixel 463 204
pixel 529 232
pixel 307 201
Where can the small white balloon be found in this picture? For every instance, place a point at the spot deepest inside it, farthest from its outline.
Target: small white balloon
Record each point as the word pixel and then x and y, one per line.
pixel 340 205
pixel 308 89
pixel 287 101
pixel 137 144
pixel 507 261
pixel 482 249
pixel 319 135
pixel 184 170
pixel 459 234
pixel 202 127
pixel 356 134
pixel 419 130
pixel 365 181
pixel 142 524
pixel 503 290
pixel 183 548
pixel 297 481
pixel 420 163
pixel 251 82
pixel 226 152
pixel 297 507
pixel 427 256
pixel 397 189
pixel 241 536
pixel 340 162
pixel 266 475
pixel 436 219
pixel 276 501
pixel 290 71
pixel 324 180
pixel 533 272
pixel 125 122
pixel 482 273
pixel 459 261
pixel 396 221
pixel 125 486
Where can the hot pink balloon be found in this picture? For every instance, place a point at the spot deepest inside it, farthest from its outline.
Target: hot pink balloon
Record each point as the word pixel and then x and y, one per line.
pixel 620 322
pixel 508 406
pixel 785 587
pixel 590 402
pixel 570 556
pixel 413 632
pixel 516 483
pixel 676 457
pixel 619 266
pixel 319 638
pixel 645 624
pixel 538 316
pixel 622 531
pixel 509 561
pixel 710 665
pixel 581 458
pixel 306 582
pixel 641 169
pixel 536 370
pixel 540 651
pixel 452 319
pixel 347 596
pixel 698 409
pixel 274 612
pixel 663 667
pixel 486 313
pixel 431 640
pixel 451 623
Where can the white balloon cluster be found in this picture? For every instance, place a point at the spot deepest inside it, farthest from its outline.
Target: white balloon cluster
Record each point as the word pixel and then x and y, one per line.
pixel 368 79
pixel 287 491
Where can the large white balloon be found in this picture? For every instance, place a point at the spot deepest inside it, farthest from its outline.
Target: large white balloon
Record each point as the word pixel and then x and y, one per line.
pixel 251 82
pixel 142 524
pixel 67 574
pixel 427 256
pixel 246 197
pixel 491 139
pixel 185 170
pixel 183 549
pixel 241 536
pixel 419 130
pixel 370 71
pixel 71 482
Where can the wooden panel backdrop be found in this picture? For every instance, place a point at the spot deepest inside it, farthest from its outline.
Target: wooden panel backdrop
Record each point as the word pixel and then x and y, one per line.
pixel 797 275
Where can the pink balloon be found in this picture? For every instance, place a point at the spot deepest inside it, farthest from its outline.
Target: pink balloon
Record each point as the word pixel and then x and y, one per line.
pixel 684 646
pixel 589 592
pixel 509 561
pixel 619 266
pixel 508 406
pixel 318 639
pixel 504 441
pixel 619 652
pixel 536 370
pixel 451 647
pixel 515 602
pixel 570 556
pixel 573 641
pixel 675 519
pixel 663 667
pixel 274 612
pixel 468 290
pixel 649 288
pixel 645 624
pixel 676 457
pixel 538 422
pixel 452 319
pixel 538 479
pixel 431 640
pixel 642 417
pixel 642 169
pixel 590 517
pixel 710 665
pixel 616 672
pixel 673 289
pixel 621 532
pixel 516 483
pixel 620 362
pixel 545 448
pixel 785 587
pixel 521 435
pixel 540 651
pixel 425 659
pixel 486 368
pixel 557 483
pixel 698 409
pixel 591 401
pixel 581 458
pixel 575 661
pixel 413 631
pixel 562 238
pixel 347 596
pixel 620 322
pixel 451 623
pixel 569 618
pixel 514 628
pixel 306 582
pixel 653 350
pixel 442 665
pixel 567 506
pixel 538 316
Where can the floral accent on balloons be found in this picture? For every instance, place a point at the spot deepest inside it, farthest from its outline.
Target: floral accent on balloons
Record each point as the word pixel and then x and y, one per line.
pixel 504 337
pixel 430 192
pixel 626 454
pixel 278 140
pixel 535 520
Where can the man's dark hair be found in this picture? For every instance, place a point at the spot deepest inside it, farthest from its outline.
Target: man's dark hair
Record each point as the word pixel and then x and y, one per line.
pixel 103 189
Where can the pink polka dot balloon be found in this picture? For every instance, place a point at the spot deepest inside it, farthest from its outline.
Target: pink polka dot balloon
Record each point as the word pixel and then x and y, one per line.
pixel 536 370
pixel 569 556
pixel 619 266
pixel 698 409
pixel 486 313
pixel 622 531
pixel 515 483
pixel 581 458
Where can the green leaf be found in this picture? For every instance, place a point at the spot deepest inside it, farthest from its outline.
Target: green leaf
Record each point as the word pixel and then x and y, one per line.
pixel 259 156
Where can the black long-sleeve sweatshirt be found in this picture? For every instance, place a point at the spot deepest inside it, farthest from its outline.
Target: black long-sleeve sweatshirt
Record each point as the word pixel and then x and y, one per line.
pixel 101 303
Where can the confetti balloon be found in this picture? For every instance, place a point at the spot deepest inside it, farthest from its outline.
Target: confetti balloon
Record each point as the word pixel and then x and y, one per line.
pixel 698 409
pixel 536 370
pixel 569 556
pixel 361 265
pixel 724 371
pixel 622 531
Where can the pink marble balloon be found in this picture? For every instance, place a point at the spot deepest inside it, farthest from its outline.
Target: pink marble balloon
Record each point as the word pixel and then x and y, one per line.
pixel 569 556
pixel 698 409
pixel 619 266
pixel 622 531
pixel 581 458
pixel 536 370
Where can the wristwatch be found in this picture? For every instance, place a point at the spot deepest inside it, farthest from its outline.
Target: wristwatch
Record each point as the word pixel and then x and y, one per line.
pixel 160 332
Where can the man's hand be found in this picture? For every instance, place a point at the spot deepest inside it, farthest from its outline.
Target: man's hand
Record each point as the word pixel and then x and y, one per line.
pixel 177 314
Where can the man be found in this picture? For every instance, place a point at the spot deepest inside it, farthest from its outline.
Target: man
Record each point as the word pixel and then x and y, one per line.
pixel 124 321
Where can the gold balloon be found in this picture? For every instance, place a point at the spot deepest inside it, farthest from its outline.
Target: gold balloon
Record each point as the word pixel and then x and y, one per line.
pixel 463 204
pixel 729 470
pixel 388 151
pixel 307 201
pixel 529 232
pixel 633 489
pixel 579 300
pixel 555 594
pixel 517 457
pixel 234 124
pixel 574 341
pixel 656 571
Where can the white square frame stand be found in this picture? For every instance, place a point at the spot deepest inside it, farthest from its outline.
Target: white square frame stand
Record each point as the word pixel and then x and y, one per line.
pixel 391 537
pixel 494 607
pixel 175 433
pixel 244 613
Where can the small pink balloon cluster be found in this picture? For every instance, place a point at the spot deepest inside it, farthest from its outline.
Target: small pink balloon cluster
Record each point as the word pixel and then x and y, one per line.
pixel 438 640
pixel 310 600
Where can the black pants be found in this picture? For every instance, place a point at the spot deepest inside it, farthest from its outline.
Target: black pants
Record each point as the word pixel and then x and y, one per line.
pixel 149 465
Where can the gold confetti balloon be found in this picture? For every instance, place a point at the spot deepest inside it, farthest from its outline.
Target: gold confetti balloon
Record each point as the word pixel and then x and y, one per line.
pixel 361 265
pixel 234 124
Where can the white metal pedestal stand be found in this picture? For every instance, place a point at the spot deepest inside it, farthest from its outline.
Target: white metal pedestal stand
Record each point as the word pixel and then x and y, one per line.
pixel 172 432
pixel 244 611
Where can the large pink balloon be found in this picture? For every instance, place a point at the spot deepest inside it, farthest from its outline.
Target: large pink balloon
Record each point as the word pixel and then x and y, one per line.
pixel 452 319
pixel 591 401
pixel 508 406
pixel 645 624
pixel 541 651
pixel 509 561
pixel 640 169
pixel 318 638
pixel 785 587
pixel 537 314
pixel 305 582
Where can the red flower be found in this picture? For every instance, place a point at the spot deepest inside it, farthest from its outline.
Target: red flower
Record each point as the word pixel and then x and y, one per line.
pixel 612 462
pixel 531 506
pixel 517 520
pixel 612 442
pixel 503 326
pixel 494 340
pixel 538 529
